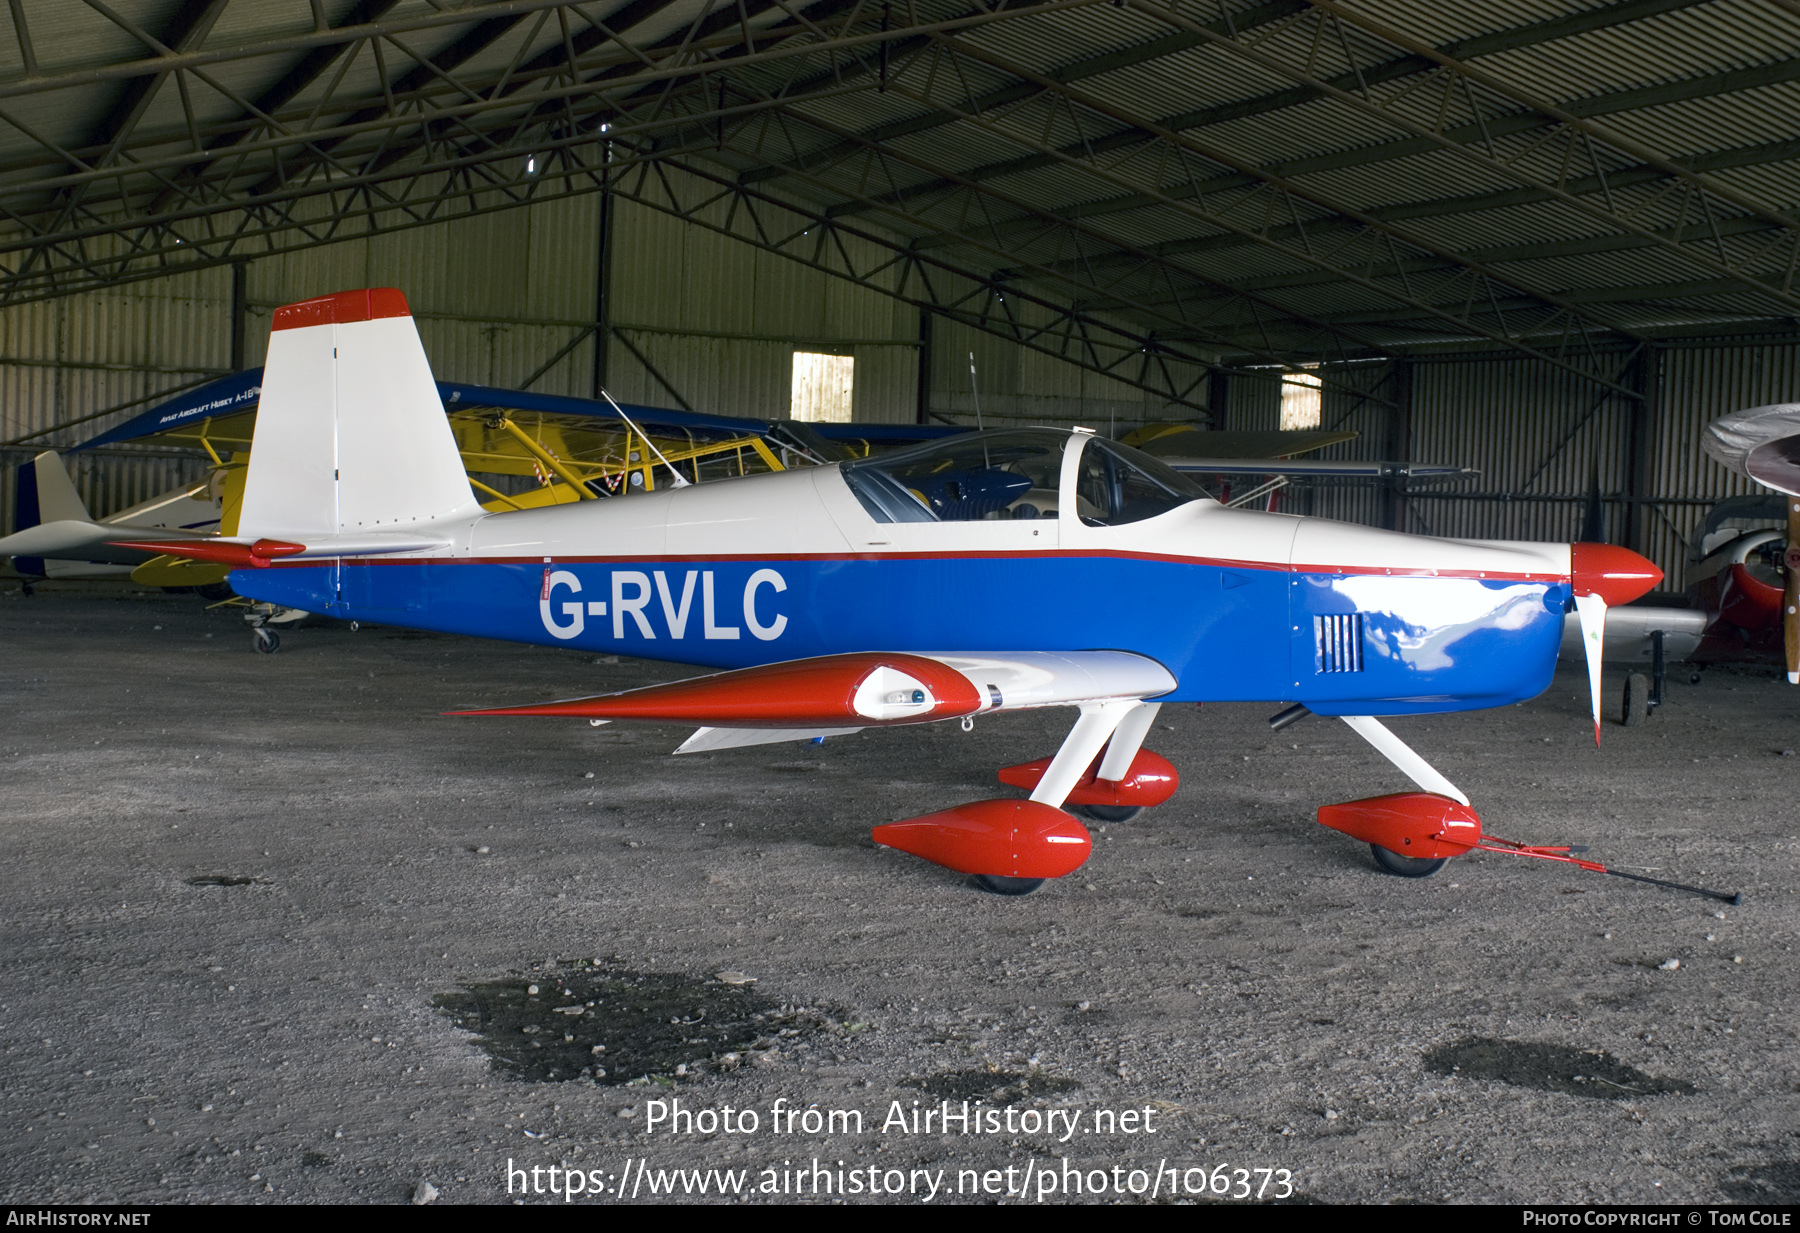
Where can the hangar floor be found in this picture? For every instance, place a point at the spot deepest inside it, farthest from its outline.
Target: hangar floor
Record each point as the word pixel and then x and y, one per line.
pixel 249 898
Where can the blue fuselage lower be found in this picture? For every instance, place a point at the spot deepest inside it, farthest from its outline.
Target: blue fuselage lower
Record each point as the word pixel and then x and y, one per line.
pixel 1342 643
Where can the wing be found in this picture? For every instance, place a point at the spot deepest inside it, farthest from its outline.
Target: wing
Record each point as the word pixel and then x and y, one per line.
pixel 1344 467
pixel 834 694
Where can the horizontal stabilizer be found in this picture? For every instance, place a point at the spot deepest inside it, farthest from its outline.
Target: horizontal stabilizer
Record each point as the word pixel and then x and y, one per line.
pixel 707 739
pixel 256 555
pixel 245 553
pixel 69 538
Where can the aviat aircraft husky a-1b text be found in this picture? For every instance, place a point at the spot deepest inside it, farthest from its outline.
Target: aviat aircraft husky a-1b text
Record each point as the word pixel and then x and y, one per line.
pixel 984 572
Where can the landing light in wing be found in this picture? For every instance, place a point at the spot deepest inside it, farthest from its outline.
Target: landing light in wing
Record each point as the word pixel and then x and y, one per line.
pixel 828 692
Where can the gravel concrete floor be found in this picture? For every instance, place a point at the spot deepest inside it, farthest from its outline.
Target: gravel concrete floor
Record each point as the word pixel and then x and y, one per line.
pixel 270 924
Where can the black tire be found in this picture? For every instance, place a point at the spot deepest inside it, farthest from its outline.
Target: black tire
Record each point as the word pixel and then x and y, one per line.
pixel 266 641
pixel 994 884
pixel 215 591
pixel 1406 866
pixel 1634 706
pixel 1111 813
pixel 28 588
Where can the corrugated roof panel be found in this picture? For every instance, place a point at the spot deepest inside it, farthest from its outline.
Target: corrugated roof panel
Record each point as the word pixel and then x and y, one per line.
pixel 1720 122
pixel 1670 47
pixel 1440 25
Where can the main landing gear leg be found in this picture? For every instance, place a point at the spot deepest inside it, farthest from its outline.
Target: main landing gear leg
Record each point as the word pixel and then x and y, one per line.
pixel 1012 846
pixel 1127 739
pixel 1420 772
pixel 1099 722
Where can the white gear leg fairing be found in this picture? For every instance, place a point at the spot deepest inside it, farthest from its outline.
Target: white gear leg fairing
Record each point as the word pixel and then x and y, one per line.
pixel 1401 755
pixel 1127 739
pixel 1079 749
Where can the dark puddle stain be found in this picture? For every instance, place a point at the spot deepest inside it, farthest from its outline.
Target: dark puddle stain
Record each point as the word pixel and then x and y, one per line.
pixel 1549 1068
pixel 1775 1182
pixel 614 1027
pixel 315 1160
pixel 994 1086
pixel 221 879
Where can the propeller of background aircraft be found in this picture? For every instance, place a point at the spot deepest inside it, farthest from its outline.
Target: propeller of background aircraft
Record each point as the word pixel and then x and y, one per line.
pixel 1763 443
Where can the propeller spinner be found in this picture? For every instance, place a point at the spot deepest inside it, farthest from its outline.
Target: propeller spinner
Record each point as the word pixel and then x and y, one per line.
pixel 1603 575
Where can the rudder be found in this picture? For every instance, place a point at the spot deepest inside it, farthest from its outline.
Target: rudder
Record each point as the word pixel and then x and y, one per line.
pixel 350 434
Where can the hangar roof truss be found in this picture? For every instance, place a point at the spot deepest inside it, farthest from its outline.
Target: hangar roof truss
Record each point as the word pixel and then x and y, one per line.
pixel 1145 187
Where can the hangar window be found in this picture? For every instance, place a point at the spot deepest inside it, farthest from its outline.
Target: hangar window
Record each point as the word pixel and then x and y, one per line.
pixel 1299 400
pixel 822 387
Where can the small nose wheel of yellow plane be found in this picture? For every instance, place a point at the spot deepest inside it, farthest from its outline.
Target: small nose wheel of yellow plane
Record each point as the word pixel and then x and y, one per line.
pixel 266 641
pixel 1406 866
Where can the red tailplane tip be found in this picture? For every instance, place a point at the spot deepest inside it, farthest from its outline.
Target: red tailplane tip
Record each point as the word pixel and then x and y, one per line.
pixel 240 556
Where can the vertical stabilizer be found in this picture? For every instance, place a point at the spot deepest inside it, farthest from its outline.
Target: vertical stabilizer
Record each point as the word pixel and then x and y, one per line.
pixel 47 494
pixel 350 434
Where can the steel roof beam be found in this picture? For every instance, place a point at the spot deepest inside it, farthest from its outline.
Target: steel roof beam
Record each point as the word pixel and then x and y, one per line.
pixel 1279 199
pixel 1106 348
pixel 1109 348
pixel 1468 95
pixel 451 18
pixel 797 41
pixel 1347 344
pixel 1492 255
pixel 1636 294
pixel 1503 126
pixel 1394 69
pixel 309 69
pixel 188 28
pixel 1090 66
pixel 562 58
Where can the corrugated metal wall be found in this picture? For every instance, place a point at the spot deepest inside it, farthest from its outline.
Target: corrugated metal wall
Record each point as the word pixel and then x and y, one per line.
pixel 1543 439
pixel 1018 385
pixel 499 296
pixel 1537 433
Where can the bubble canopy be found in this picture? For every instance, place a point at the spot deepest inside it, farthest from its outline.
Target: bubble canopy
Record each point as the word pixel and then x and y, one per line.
pixel 1017 474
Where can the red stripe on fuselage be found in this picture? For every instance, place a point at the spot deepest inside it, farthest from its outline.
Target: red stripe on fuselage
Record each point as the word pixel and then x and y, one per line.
pixel 538 559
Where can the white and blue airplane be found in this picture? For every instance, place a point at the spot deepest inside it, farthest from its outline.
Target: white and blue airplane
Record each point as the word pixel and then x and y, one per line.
pixel 984 572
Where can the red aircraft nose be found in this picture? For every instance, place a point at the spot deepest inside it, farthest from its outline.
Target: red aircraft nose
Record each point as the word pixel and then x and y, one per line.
pixel 1617 575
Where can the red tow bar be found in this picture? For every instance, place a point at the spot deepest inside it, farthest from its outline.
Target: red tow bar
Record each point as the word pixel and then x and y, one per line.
pixel 1428 826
